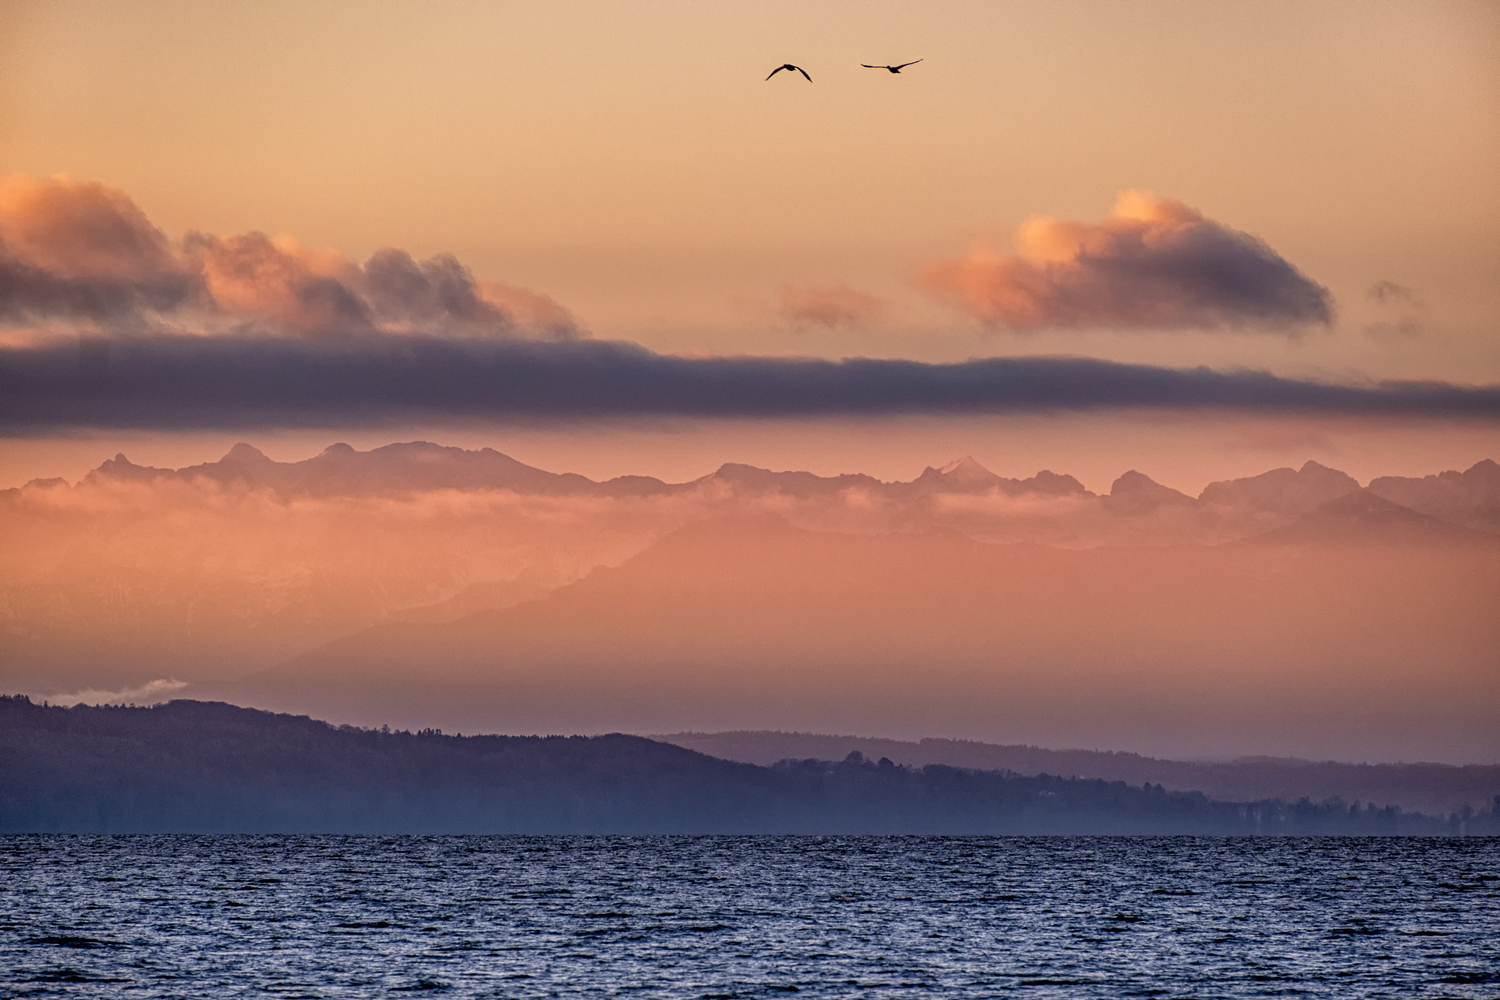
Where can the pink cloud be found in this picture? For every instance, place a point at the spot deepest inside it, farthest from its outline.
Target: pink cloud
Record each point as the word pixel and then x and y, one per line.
pixel 1152 263
pixel 76 251
pixel 827 305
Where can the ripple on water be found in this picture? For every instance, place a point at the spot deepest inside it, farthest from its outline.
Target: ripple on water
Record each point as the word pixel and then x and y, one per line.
pixel 738 917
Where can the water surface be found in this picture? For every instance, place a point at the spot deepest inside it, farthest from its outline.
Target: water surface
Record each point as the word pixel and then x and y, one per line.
pixel 292 916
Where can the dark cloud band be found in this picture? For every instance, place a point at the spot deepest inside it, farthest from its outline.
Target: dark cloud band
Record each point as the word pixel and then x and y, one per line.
pixel 224 382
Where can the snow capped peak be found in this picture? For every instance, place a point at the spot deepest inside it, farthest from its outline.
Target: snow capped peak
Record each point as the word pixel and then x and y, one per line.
pixel 243 452
pixel 966 468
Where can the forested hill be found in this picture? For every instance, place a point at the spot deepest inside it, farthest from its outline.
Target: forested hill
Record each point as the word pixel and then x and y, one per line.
pixel 206 767
pixel 1431 788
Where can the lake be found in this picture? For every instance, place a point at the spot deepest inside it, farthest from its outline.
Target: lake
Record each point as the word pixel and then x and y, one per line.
pixel 332 916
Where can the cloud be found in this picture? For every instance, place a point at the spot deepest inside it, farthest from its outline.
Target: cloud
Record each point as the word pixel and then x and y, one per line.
pixel 1404 310
pixel 81 251
pixel 78 251
pixel 151 693
pixel 827 305
pixel 1390 292
pixel 243 381
pixel 1152 263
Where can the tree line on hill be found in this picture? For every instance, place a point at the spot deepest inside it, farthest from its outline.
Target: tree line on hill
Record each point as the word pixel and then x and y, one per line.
pixel 1437 789
pixel 202 767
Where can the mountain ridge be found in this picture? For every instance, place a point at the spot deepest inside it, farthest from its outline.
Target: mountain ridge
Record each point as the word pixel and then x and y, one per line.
pixel 135 574
pixel 1470 498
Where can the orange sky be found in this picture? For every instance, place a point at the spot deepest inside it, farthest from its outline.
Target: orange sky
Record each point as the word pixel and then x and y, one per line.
pixel 632 163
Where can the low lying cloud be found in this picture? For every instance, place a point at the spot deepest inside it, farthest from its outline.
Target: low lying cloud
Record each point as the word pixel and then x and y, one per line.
pixel 82 252
pixel 151 693
pixel 240 381
pixel 828 306
pixel 1152 263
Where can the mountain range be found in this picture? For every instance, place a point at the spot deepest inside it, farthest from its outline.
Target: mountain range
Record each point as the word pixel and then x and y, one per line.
pixel 1292 612
pixel 1470 498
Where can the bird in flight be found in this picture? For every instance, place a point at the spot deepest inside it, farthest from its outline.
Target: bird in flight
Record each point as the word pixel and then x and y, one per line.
pixel 789 66
pixel 893 69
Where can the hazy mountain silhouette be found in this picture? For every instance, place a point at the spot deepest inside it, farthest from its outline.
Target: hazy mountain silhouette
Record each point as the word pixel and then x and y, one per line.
pixel 751 481
pixel 1228 508
pixel 1282 491
pixel 340 470
pixel 202 573
pixel 1470 498
pixel 1365 518
pixel 1432 788
pixel 1384 651
pixel 474 598
pixel 967 476
pixel 195 767
pixel 1135 494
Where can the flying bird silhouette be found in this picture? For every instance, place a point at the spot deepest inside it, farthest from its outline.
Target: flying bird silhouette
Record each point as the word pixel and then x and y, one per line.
pixel 799 69
pixel 893 69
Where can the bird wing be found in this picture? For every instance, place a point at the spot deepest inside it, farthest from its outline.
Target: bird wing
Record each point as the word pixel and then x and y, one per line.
pixel 773 72
pixel 912 63
pixel 799 69
pixel 868 66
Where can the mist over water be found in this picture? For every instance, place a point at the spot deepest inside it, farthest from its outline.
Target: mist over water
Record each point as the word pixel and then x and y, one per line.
pixel 749 916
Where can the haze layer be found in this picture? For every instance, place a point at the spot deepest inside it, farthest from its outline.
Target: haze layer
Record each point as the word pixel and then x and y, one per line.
pixel 1292 612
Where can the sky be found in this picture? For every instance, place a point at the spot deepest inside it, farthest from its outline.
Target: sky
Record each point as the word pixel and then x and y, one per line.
pixel 1305 190
pixel 1200 241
